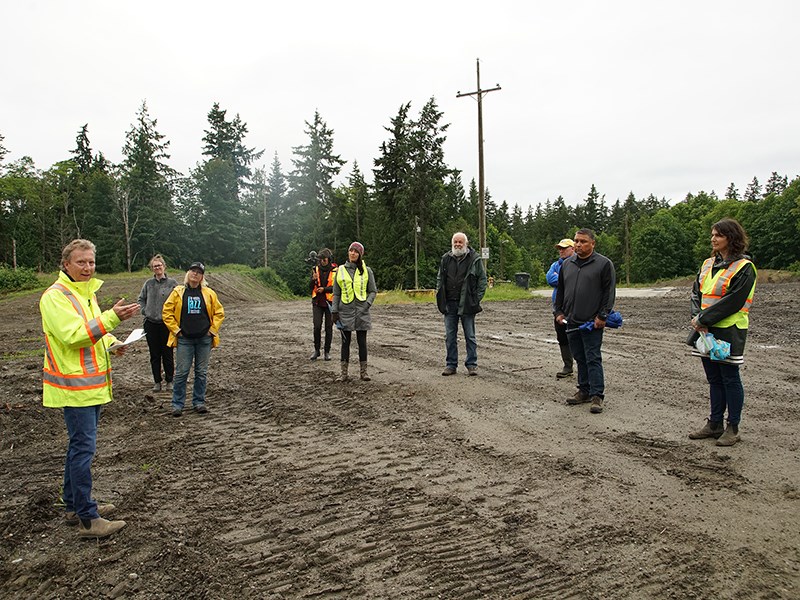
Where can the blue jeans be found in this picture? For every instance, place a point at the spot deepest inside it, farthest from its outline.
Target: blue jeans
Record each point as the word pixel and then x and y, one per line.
pixel 199 350
pixel 451 336
pixel 82 430
pixel 726 391
pixel 585 347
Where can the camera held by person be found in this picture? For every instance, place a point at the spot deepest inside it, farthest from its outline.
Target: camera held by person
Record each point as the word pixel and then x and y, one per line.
pixel 311 260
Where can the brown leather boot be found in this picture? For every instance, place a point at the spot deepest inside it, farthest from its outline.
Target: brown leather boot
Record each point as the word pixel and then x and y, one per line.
pixel 712 429
pixel 100 528
pixel 343 376
pixel 364 375
pixel 579 398
pixel 730 437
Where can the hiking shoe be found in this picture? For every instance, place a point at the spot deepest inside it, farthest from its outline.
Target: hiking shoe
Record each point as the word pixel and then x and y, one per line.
pixel 327 356
pixel 169 386
pixel 177 412
pixel 472 371
pixel 730 437
pixel 711 429
pixel 314 356
pixel 71 517
pixel 448 371
pixel 201 408
pixel 579 398
pixel 597 405
pixel 99 528
pixel 564 373
pixel 156 387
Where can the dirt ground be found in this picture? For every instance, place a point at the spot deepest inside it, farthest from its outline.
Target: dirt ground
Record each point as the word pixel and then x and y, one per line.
pixel 414 485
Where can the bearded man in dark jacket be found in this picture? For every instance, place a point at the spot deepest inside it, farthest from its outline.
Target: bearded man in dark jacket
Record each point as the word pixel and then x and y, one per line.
pixel 460 286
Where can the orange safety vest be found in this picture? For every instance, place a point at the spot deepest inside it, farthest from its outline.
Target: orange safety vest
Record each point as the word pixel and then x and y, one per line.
pixel 329 283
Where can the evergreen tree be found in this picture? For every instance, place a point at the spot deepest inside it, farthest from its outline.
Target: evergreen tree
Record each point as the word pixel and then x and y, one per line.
pixel 776 184
pixel 224 140
pixel 753 191
pixel 732 193
pixel 144 198
pixel 281 220
pixel 226 233
pixel 311 184
pixel 83 152
pixel 3 151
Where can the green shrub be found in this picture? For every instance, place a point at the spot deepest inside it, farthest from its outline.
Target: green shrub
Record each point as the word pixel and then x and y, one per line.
pixel 20 279
pixel 272 280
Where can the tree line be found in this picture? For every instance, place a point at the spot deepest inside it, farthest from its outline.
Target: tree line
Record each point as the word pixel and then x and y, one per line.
pixel 230 210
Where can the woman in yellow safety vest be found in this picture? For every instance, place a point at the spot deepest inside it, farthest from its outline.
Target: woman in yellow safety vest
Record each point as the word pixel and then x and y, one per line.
pixel 721 300
pixel 354 291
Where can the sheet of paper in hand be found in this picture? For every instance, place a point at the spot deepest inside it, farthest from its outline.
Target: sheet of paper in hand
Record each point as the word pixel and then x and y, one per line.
pixel 134 336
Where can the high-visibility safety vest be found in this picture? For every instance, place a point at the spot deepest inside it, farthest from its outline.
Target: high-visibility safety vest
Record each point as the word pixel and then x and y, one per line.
pixel 352 287
pixel 328 283
pixel 714 287
pixel 77 367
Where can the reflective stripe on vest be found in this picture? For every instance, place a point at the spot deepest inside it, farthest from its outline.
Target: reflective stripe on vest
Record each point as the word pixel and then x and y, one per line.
pixel 74 382
pixel 714 287
pixel 352 286
pixel 92 377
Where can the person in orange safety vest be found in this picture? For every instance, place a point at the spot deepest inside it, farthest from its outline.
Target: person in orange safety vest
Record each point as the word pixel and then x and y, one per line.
pixel 322 276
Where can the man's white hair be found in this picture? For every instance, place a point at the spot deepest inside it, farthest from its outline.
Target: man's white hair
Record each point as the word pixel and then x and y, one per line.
pixel 457 233
pixel 459 251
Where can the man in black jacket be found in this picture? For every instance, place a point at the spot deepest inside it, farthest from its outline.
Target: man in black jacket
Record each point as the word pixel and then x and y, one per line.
pixel 460 286
pixel 586 292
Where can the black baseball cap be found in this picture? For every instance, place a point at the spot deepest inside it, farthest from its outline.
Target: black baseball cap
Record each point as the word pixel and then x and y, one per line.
pixel 198 266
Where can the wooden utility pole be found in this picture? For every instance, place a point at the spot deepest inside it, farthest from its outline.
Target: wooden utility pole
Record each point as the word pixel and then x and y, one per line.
pixel 416 252
pixel 479 94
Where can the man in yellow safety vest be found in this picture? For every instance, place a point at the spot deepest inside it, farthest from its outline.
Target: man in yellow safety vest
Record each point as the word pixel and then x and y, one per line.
pixel 77 376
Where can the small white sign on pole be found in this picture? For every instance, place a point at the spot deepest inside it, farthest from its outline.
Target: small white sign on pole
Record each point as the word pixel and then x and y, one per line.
pixel 485 253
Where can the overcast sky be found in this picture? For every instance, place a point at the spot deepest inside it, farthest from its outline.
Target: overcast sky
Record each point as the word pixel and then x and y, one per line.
pixel 663 98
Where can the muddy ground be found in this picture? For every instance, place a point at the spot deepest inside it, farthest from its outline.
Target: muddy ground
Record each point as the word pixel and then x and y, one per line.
pixel 415 485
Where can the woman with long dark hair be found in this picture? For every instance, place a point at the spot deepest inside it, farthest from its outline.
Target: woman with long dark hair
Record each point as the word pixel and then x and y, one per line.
pixel 721 298
pixel 354 291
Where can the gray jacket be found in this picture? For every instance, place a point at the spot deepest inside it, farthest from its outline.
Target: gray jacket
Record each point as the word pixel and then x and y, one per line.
pixel 355 315
pixel 153 295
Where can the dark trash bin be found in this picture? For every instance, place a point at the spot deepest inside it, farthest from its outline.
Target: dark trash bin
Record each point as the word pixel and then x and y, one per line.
pixel 522 279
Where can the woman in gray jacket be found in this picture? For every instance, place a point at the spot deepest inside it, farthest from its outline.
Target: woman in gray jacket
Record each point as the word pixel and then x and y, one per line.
pixel 354 291
pixel 154 293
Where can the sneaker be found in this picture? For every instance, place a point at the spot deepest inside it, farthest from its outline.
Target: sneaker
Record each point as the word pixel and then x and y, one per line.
pixel 564 373
pixel 99 528
pixel 472 371
pixel 156 387
pixel 448 371
pixel 597 405
pixel 314 356
pixel 201 409
pixel 710 430
pixel 177 412
pixel 169 386
pixel 579 398
pixel 730 437
pixel 71 517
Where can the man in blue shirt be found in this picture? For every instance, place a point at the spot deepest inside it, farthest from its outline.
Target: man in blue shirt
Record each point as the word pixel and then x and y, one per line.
pixel 566 248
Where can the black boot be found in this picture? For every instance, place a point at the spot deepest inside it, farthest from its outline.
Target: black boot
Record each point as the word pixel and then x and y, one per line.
pixel 566 356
